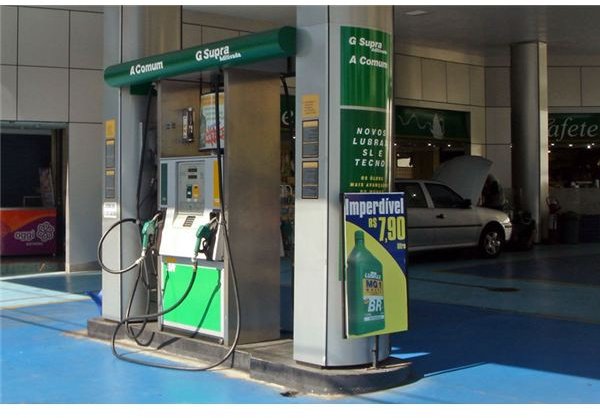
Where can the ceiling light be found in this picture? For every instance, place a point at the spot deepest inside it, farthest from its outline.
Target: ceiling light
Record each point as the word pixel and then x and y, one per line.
pixel 570 145
pixel 416 13
pixel 589 146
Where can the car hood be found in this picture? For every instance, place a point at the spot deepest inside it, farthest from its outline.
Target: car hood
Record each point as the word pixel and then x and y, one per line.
pixel 465 174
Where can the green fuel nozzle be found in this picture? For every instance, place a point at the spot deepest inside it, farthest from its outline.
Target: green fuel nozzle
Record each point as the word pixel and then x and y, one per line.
pixel 203 232
pixel 148 231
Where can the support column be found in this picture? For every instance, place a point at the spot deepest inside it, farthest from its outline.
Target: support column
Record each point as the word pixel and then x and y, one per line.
pixel 130 32
pixel 343 84
pixel 529 122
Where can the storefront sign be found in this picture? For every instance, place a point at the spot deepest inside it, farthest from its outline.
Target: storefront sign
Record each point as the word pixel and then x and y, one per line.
pixel 563 127
pixel 375 262
pixel 365 120
pixel 28 231
pixel 414 122
pixel 247 49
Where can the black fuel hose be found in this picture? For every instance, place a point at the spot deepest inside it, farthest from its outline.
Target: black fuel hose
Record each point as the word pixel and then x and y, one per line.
pixel 101 242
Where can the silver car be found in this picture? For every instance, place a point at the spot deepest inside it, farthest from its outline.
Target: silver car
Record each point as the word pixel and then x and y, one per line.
pixel 439 217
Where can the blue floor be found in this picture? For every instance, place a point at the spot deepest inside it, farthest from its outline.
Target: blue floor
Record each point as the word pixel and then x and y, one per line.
pixel 484 347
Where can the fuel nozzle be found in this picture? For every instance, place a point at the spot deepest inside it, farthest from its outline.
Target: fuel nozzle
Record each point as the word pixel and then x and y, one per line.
pixel 204 234
pixel 148 231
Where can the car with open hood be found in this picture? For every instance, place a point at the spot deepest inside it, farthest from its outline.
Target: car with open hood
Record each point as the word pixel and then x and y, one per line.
pixel 443 212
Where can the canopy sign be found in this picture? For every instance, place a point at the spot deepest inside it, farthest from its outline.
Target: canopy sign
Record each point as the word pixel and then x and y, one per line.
pixel 247 49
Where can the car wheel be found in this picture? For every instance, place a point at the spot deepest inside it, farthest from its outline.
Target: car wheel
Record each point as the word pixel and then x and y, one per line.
pixel 491 242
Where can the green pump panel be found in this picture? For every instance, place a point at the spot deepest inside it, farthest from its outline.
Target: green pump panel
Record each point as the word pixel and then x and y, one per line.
pixel 201 310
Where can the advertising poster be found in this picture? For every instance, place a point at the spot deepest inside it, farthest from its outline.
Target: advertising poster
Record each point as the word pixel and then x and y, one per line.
pixel 28 231
pixel 375 264
pixel 208 121
pixel 364 153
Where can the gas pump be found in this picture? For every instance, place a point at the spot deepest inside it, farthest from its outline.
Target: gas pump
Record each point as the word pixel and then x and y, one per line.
pixel 187 236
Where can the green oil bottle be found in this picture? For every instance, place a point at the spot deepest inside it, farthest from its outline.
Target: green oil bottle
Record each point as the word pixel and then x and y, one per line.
pixel 365 289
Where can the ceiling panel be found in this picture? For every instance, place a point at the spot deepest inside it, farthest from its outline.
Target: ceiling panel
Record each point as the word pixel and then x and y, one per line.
pixel 481 30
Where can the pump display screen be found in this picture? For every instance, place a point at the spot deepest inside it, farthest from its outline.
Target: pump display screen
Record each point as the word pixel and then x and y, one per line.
pixel 190 184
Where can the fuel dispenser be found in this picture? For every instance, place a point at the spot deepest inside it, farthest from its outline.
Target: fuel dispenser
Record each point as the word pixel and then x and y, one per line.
pixel 185 238
pixel 191 235
pixel 193 230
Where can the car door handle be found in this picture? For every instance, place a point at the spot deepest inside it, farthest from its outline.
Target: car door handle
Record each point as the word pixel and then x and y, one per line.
pixel 440 216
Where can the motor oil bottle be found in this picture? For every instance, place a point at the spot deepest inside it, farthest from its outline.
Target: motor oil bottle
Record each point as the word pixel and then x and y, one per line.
pixel 364 281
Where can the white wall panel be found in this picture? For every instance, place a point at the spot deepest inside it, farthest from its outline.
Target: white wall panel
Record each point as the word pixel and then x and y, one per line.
pixel 8 103
pixel 43 94
pixel 84 203
pixel 434 80
pixel 497 121
pixel 564 86
pixel 477 86
pixel 216 34
pixel 227 22
pixel 86 40
pixel 457 77
pixel 500 155
pixel 497 86
pixel 43 37
pixel 8 35
pixel 191 35
pixel 407 77
pixel 478 149
pixel 85 96
pixel 590 86
pixel 478 133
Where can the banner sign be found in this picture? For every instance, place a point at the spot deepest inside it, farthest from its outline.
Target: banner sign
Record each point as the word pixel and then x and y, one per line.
pixel 375 264
pixel 365 108
pixel 430 124
pixel 565 127
pixel 365 67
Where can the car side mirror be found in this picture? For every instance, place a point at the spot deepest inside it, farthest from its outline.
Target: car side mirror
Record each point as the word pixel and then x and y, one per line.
pixel 466 203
